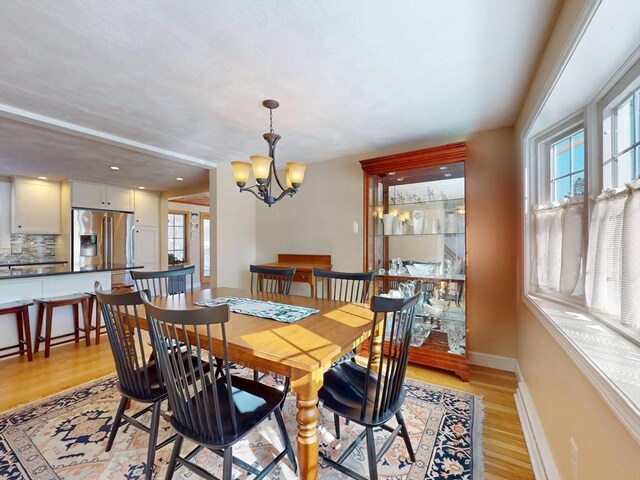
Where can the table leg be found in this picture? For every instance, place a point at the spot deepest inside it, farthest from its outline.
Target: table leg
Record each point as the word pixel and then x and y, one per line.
pixel 306 390
pixel 376 347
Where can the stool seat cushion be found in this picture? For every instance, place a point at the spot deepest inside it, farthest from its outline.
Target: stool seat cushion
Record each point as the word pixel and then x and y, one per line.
pixel 14 305
pixel 62 299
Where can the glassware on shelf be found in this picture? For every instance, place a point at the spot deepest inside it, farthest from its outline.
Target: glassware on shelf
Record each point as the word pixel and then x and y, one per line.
pixel 421 330
pixel 455 335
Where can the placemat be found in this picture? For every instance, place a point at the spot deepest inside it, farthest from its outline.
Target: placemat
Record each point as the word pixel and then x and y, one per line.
pixel 259 308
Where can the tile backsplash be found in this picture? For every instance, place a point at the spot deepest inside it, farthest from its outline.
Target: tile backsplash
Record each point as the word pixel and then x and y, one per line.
pixel 30 247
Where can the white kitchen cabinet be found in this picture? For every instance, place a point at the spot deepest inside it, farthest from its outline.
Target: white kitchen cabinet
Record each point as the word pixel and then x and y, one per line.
pixel 102 197
pixel 35 206
pixel 147 208
pixel 146 248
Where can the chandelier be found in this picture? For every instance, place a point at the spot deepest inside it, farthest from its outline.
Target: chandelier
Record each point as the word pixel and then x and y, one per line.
pixel 264 169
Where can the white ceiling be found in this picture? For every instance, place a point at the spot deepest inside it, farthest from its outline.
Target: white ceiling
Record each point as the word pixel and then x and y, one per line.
pixel 185 80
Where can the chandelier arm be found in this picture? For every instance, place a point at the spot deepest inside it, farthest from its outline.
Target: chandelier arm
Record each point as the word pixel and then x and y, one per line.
pixel 250 189
pixel 287 191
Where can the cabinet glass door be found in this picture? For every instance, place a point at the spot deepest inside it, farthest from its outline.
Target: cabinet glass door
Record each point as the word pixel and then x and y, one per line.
pixel 416 226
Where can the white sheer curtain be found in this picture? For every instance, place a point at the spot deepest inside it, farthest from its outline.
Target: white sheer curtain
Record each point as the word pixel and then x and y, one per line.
pixel 558 248
pixel 612 278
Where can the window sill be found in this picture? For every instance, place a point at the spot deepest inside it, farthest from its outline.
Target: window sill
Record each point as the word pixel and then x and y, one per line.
pixel 607 359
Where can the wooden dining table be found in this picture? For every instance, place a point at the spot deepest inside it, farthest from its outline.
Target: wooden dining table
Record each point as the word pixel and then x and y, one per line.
pixel 303 350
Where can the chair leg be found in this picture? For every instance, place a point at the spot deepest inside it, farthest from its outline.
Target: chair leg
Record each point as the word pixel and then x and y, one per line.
pixel 76 322
pixel 227 465
pixel 116 422
pixel 98 322
pixel 27 333
pixel 39 327
pixel 285 438
pixel 336 422
pixel 19 322
pixel 47 338
pixel 87 324
pixel 256 376
pixel 153 438
pixel 405 435
pixel 174 457
pixel 371 455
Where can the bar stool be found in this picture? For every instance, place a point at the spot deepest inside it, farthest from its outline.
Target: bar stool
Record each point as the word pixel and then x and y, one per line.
pixel 116 288
pixel 21 311
pixel 48 304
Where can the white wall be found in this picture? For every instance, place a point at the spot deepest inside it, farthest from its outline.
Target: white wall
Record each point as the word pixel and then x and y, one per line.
pixel 319 219
pixel 233 230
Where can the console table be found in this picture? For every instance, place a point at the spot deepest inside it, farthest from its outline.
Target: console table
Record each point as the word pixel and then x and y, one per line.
pixel 304 266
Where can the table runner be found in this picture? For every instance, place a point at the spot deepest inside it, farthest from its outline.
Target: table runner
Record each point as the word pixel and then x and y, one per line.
pixel 263 309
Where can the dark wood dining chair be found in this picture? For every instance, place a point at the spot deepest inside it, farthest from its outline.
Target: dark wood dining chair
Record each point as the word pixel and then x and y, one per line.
pixel 165 282
pixel 138 376
pixel 353 287
pixel 372 396
pixel 271 280
pixel 343 286
pixel 220 409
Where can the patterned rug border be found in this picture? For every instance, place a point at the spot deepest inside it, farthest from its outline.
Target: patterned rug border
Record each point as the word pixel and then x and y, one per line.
pixel 476 434
pixel 478 425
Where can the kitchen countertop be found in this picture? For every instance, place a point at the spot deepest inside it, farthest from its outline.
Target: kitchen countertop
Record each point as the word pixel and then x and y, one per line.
pixel 14 272
pixel 36 261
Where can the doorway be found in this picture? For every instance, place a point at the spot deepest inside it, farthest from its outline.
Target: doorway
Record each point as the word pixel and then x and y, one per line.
pixel 205 249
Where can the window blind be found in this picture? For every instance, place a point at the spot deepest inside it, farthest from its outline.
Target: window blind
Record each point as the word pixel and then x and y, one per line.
pixel 558 247
pixel 612 274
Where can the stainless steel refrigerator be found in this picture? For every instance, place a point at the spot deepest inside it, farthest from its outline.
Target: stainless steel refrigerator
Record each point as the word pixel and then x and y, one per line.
pixel 102 239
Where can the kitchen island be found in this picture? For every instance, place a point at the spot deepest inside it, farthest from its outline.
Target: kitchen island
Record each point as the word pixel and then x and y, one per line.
pixel 29 282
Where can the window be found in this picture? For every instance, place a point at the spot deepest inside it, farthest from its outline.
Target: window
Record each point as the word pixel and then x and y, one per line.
pixel 621 142
pixel 177 234
pixel 567 167
pixel 585 237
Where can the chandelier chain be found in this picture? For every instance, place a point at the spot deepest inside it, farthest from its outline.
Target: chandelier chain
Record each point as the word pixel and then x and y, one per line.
pixel 270 120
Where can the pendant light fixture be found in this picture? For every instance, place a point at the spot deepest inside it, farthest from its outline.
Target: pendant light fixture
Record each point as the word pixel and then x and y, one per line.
pixel 264 169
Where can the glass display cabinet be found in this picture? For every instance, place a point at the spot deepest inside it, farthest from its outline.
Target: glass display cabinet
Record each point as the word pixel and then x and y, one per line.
pixel 414 217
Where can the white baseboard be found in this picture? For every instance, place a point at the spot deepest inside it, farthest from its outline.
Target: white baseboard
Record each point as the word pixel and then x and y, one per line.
pixel 493 361
pixel 544 466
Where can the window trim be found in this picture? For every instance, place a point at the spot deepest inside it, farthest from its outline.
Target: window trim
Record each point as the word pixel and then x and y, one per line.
pixel 186 240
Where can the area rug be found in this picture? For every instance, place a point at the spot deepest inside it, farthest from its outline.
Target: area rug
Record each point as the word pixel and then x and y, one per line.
pixel 64 436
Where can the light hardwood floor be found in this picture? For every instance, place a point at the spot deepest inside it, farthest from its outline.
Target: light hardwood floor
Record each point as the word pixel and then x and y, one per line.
pixel 505 451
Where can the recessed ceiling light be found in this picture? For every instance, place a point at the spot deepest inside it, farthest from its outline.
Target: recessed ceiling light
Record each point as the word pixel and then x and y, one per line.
pixel 392 173
pixel 179 179
pixel 444 167
pixel 400 179
pixel 141 188
pixel 447 174
pixel 113 167
pixel 42 178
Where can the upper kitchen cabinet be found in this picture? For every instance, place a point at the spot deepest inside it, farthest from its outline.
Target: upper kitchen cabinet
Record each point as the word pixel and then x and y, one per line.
pixel 102 197
pixel 147 208
pixel 35 206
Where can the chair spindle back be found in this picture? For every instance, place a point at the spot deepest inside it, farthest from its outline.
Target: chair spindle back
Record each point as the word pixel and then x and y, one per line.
pixel 396 316
pixel 131 353
pixel 343 286
pixel 201 398
pixel 271 280
pixel 166 282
